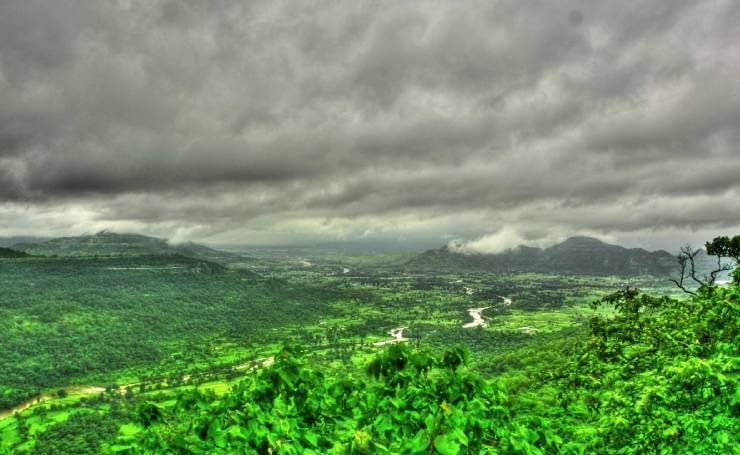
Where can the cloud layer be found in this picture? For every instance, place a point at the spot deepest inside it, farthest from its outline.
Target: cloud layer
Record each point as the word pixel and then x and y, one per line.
pixel 269 122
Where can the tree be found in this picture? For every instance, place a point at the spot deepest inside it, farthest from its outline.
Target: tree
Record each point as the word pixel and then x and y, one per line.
pixel 721 247
pixel 725 247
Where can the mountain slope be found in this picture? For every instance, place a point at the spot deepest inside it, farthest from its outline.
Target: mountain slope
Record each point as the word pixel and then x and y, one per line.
pixel 8 242
pixel 580 255
pixel 591 256
pixel 8 253
pixel 112 244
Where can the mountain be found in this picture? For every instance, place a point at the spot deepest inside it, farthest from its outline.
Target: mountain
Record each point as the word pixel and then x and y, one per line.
pixel 112 244
pixel 577 255
pixel 8 253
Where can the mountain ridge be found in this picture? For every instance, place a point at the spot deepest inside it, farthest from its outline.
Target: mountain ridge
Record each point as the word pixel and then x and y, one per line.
pixel 577 255
pixel 107 243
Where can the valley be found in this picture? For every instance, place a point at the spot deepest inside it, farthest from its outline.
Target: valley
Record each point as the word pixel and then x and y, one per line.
pixel 87 335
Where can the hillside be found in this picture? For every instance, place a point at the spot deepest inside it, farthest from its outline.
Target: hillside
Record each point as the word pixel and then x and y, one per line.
pixel 8 242
pixel 113 244
pixel 9 253
pixel 97 316
pixel 636 381
pixel 577 255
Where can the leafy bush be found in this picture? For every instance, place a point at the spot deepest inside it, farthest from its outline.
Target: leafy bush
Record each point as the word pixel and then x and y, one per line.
pixel 82 433
pixel 412 402
pixel 659 377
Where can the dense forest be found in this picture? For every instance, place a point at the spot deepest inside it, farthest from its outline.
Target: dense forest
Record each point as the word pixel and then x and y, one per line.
pixel 74 318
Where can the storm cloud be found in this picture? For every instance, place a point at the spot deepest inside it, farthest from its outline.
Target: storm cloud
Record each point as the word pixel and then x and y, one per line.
pixel 289 122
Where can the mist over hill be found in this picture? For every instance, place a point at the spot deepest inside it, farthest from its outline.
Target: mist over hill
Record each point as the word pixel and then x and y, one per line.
pixel 577 255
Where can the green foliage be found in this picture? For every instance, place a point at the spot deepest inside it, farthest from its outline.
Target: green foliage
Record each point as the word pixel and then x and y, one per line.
pixel 724 246
pixel 83 433
pixel 659 376
pixel 412 402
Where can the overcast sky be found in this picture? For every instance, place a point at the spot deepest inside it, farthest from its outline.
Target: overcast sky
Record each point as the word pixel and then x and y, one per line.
pixel 494 122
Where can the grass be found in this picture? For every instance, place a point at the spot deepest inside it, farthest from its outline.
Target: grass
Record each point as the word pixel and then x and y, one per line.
pixel 8 432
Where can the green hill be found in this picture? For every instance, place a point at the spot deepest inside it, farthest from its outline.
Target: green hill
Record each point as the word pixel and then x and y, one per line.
pixel 65 318
pixel 577 255
pixel 9 253
pixel 9 242
pixel 113 244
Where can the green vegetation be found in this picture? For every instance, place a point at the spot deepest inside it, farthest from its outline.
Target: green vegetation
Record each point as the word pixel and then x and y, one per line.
pixel 10 253
pixel 659 375
pixel 417 403
pixel 166 353
pixel 76 320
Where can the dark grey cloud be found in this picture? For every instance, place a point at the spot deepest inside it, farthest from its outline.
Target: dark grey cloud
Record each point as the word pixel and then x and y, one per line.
pixel 287 121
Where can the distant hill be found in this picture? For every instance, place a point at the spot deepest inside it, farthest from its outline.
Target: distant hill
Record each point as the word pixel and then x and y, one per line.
pixel 112 244
pixel 8 253
pixel 577 255
pixel 8 242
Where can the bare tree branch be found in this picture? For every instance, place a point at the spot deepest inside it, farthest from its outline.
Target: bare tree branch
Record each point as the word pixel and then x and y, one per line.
pixel 721 267
pixel 686 259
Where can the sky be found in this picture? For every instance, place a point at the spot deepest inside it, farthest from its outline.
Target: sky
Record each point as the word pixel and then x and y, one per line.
pixel 483 123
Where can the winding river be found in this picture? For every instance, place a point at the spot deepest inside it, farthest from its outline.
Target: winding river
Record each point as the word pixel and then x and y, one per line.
pixel 477 314
pixel 397 335
pixel 478 320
